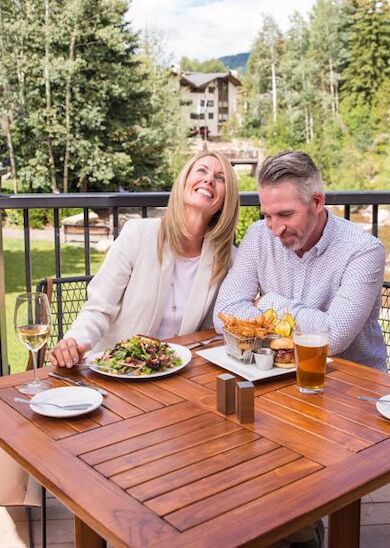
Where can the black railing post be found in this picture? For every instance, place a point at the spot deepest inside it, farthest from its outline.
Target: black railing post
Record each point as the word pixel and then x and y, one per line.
pixel 27 249
pixel 4 366
pixel 375 220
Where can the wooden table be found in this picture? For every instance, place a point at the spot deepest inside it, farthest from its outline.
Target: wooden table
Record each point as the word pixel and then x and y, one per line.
pixel 158 465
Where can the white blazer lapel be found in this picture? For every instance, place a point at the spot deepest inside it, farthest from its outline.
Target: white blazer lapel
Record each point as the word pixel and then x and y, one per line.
pixel 199 298
pixel 166 278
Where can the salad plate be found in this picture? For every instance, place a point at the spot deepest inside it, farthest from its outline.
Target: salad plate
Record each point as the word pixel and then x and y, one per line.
pixel 180 352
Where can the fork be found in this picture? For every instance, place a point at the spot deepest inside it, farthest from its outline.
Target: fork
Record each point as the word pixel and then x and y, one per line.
pixel 205 342
pixel 373 400
pixel 67 406
pixel 77 382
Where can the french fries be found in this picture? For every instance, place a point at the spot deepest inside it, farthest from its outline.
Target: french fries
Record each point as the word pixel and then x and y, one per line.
pixel 258 327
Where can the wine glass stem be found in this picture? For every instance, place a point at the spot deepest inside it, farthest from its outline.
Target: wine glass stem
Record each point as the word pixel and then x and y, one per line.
pixel 35 365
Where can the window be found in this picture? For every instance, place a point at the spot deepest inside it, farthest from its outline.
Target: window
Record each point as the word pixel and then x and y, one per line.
pixel 202 103
pixel 211 115
pixel 210 103
pixel 211 89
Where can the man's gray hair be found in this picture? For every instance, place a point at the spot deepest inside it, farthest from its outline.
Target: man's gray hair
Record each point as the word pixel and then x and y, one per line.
pixel 295 167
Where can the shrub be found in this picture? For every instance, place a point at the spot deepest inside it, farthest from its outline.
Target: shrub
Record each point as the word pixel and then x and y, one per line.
pixel 248 214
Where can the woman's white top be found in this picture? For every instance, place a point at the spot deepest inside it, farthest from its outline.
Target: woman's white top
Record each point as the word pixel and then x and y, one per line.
pixel 184 273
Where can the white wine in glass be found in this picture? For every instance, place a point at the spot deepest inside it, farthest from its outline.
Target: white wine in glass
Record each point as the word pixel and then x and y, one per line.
pixel 32 326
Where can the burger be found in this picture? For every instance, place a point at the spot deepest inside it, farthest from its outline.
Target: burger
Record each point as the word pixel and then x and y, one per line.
pixel 283 348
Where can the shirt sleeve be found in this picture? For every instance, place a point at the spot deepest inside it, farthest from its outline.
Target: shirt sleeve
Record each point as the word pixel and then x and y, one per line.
pixel 106 289
pixel 351 306
pixel 240 287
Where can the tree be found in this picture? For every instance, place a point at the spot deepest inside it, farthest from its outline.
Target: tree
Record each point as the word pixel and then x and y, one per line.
pixel 262 74
pixel 368 56
pixel 80 100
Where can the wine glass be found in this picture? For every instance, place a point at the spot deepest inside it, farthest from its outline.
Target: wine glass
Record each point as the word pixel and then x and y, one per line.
pixel 32 322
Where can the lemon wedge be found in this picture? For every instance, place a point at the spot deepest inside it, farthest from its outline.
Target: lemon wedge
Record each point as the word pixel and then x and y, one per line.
pixel 270 315
pixel 288 318
pixel 283 328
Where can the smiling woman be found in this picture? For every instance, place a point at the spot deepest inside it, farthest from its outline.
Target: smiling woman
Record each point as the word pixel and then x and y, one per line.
pixel 161 276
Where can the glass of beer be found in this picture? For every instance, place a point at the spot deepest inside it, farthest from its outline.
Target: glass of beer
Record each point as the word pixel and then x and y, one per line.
pixel 310 349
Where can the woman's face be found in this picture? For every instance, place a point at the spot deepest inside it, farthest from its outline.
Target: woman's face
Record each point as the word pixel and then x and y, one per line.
pixel 205 186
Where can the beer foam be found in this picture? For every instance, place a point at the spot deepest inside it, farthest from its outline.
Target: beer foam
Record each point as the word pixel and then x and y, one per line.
pixel 310 340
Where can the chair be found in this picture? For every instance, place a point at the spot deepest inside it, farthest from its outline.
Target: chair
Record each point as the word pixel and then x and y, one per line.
pixel 384 318
pixel 66 295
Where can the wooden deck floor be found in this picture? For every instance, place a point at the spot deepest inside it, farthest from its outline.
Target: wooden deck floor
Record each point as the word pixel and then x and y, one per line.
pixel 375 530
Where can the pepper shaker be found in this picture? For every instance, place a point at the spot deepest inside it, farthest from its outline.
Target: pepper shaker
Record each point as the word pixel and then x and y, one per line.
pixel 226 385
pixel 245 401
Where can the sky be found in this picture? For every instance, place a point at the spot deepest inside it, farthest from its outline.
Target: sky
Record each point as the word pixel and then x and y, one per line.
pixel 204 29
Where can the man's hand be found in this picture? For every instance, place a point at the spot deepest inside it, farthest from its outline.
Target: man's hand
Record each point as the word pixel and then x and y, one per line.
pixel 67 353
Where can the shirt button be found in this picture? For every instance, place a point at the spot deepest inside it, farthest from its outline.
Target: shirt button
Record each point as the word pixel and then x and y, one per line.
pixel 174 308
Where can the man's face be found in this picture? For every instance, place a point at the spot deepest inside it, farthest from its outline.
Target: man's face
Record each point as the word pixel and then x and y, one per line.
pixel 293 221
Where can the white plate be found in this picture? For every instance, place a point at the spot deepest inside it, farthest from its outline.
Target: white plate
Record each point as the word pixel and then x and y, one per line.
pixel 384 408
pixel 248 371
pixel 64 396
pixel 181 351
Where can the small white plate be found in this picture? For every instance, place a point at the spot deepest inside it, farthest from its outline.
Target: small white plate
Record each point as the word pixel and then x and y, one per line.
pixel 65 395
pixel 248 371
pixel 181 351
pixel 384 408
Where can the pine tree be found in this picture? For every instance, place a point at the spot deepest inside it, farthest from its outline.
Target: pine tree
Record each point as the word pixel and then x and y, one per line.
pixel 368 41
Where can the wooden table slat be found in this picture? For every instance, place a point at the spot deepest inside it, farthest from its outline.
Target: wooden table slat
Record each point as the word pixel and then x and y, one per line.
pixel 168 447
pixel 202 469
pixel 234 497
pixel 186 457
pixel 127 446
pixel 221 481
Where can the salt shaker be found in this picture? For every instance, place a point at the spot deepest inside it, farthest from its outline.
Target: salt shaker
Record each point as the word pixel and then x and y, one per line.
pixel 226 384
pixel 245 401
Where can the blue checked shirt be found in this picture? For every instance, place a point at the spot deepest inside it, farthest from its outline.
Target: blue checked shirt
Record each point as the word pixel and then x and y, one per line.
pixel 337 284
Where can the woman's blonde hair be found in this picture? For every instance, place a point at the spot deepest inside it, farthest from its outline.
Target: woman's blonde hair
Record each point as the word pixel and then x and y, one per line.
pixel 222 225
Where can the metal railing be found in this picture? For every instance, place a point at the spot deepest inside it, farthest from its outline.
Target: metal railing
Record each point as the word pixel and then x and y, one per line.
pixel 115 202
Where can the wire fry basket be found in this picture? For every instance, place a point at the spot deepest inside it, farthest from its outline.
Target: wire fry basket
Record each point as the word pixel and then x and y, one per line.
pixel 240 348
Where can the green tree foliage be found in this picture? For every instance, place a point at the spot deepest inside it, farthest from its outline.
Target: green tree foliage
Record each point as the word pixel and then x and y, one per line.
pixel 368 55
pixel 263 76
pixel 78 99
pixel 333 83
pixel 210 65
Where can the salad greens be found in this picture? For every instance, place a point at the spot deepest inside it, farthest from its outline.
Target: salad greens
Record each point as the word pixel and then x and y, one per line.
pixel 139 355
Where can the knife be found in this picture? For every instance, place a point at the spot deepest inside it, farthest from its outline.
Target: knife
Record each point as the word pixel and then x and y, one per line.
pixel 77 383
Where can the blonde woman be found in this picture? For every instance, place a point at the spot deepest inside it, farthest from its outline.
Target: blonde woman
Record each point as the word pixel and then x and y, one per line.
pixel 161 276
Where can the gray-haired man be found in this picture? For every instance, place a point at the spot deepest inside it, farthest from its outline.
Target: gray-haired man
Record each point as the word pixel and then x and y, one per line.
pixel 323 269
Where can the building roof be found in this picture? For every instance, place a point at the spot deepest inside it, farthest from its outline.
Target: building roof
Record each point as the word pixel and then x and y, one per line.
pixel 202 79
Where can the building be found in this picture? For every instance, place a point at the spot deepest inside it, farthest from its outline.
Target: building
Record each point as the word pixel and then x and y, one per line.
pixel 209 100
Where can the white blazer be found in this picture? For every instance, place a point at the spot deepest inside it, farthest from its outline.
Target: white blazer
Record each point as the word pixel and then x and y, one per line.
pixel 128 294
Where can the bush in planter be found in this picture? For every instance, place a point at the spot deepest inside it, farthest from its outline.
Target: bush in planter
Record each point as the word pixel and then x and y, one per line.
pixel 248 214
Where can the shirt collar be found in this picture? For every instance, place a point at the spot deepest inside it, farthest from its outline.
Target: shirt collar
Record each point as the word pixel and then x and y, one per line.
pixel 327 235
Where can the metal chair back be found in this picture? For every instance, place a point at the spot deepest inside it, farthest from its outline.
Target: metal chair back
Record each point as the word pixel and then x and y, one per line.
pixel 384 318
pixel 66 296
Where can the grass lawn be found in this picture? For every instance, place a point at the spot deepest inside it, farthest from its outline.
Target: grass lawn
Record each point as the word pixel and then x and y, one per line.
pixel 43 266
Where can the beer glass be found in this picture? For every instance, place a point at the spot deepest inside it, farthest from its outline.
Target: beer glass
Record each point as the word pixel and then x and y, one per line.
pixel 310 349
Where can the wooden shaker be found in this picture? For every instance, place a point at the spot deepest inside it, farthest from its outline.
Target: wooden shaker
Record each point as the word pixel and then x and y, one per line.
pixel 245 405
pixel 226 385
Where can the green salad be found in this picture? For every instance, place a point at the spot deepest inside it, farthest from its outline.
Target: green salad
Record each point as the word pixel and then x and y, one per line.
pixel 139 355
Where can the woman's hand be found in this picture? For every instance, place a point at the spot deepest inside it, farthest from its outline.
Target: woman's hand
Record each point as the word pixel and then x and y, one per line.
pixel 67 353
